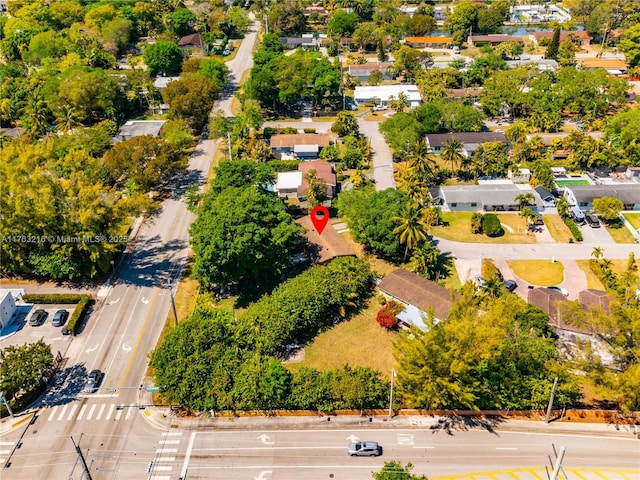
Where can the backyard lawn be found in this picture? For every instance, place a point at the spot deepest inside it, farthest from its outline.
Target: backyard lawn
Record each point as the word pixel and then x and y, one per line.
pixel 538 272
pixel 359 341
pixel 459 229
pixel 564 183
pixel 557 229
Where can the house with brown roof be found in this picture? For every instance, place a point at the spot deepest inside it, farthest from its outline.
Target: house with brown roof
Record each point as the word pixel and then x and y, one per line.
pixel 305 146
pixel 323 248
pixel 193 42
pixel 615 66
pixel 295 184
pixel 492 40
pixel 418 295
pixel 581 35
pixel 546 299
pixel 591 298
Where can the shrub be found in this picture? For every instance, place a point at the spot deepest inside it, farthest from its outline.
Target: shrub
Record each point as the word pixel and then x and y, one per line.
pixel 476 223
pixel 309 130
pixel 575 231
pixel 78 314
pixel 382 300
pixel 491 225
pixel 386 316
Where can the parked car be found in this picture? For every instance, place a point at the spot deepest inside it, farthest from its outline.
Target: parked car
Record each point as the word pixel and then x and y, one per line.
pixel 379 108
pixel 364 449
pixel 60 318
pixel 92 381
pixel 563 291
pixel 592 220
pixel 479 280
pixel 538 220
pixel 510 285
pixel 66 330
pixel 38 318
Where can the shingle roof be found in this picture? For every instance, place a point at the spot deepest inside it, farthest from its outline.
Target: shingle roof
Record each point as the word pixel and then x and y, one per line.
pixel 545 299
pixel 495 38
pixel 195 40
pixel 437 140
pixel 609 63
pixel 564 34
pixel 323 172
pixel 594 297
pixel 327 246
pixel 293 139
pixel 415 290
pixel 440 39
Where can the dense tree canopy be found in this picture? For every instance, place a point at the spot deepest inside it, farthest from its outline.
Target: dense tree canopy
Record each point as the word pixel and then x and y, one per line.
pixel 163 57
pixel 242 234
pixel 25 368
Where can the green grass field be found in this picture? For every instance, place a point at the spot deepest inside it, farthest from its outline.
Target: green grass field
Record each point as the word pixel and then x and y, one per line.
pixel 633 219
pixel 562 183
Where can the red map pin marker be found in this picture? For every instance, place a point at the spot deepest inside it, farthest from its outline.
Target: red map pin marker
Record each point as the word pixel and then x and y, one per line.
pixel 319 221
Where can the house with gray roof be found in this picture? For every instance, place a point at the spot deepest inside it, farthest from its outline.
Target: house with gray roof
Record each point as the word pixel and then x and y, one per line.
pixel 488 197
pixel 364 71
pixel 583 196
pixel 470 140
pixel 137 128
pixel 303 42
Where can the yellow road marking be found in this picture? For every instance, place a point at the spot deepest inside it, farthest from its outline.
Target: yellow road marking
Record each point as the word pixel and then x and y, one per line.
pixel 601 472
pixel 22 420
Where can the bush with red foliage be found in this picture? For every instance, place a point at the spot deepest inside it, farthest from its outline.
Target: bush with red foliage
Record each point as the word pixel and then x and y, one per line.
pixel 386 316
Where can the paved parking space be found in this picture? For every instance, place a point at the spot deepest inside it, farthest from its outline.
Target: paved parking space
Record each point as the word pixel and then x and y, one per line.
pixel 598 236
pixel 19 332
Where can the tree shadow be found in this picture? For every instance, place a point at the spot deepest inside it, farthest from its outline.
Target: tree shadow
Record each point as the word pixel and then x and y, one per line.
pixel 461 423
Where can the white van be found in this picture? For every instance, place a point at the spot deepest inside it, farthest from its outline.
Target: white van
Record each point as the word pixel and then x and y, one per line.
pixel 456 49
pixel 577 215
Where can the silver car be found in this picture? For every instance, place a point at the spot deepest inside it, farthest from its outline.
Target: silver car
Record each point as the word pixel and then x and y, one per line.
pixel 364 449
pixel 93 379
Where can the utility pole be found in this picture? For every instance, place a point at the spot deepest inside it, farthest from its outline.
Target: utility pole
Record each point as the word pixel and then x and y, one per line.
pixel 82 460
pixel 229 142
pixel 393 374
pixel 173 304
pixel 4 399
pixel 553 392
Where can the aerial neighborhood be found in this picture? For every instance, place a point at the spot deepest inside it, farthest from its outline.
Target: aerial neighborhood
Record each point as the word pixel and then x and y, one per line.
pixel 475 163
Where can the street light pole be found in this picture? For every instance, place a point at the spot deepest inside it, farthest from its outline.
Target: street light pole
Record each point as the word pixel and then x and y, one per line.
pixel 173 304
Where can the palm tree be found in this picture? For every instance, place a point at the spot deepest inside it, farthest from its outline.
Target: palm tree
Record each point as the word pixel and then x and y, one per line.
pixel 67 118
pixel 453 151
pixel 411 228
pixel 597 253
pixel 425 261
pixel 420 159
pixel 37 113
pixel 524 199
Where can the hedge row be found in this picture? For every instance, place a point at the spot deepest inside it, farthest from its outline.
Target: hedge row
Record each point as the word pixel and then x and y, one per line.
pixel 82 301
pixel 575 231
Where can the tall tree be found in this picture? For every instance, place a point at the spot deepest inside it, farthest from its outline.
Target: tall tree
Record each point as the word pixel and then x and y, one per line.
pixel 411 227
pixel 316 192
pixel 554 45
pixel 453 151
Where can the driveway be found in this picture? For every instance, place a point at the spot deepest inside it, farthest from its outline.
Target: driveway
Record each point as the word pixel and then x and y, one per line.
pixel 380 155
pixel 595 235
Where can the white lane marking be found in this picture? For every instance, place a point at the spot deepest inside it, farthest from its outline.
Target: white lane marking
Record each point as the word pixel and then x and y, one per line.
pixel 4 452
pixel 113 302
pixel 162 468
pixel 405 439
pixel 84 407
pixel 102 407
pixel 129 410
pixel 187 455
pixel 144 300
pixel 119 412
pixel 103 395
pixel 262 475
pixel 89 350
pixel 64 410
pixel 110 411
pixel 73 410
pixel 264 438
pixel 166 459
pixel 171 434
pixel 54 410
pixel 352 438
pixel 126 348
pixel 170 442
pixel 91 410
pixel 506 448
pixel 7 443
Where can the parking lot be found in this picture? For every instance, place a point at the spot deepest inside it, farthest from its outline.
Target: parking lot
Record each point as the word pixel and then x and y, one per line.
pixel 595 235
pixel 19 332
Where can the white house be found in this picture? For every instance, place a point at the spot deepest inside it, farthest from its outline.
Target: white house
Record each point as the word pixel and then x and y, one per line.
pixel 287 184
pixel 385 93
pixel 486 197
pixel 470 140
pixel 583 196
pixel 7 306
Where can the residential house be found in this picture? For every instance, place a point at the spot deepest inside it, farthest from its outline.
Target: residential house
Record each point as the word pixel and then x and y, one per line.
pixel 546 299
pixel 582 36
pixel 614 66
pixel 161 82
pixel 315 9
pixel 7 307
pixel 469 94
pixel 323 248
pixel 305 146
pixel 419 296
pixel 306 41
pixel 544 64
pixel 470 140
pixel 324 172
pixel 288 183
pixel 363 71
pixel 386 93
pixel 137 128
pixel 583 196
pixel 487 197
pixel 594 298
pixel 193 43
pixel 493 40
pixel 431 42
pixel 519 175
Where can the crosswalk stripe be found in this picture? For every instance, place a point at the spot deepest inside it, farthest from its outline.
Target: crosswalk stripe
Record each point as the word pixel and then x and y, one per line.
pixel 163 477
pixel 161 451
pixel 4 452
pixel 162 468
pixel 54 410
pixel 84 407
pixel 6 443
pixel 171 434
pixel 129 410
pixel 166 459
pixel 91 410
pixel 110 411
pixel 119 413
pixel 102 407
pixel 64 409
pixel 170 442
pixel 74 407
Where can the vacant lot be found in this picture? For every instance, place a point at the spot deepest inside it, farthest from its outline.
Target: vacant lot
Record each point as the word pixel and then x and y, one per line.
pixel 459 229
pixel 359 341
pixel 557 229
pixel 538 272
